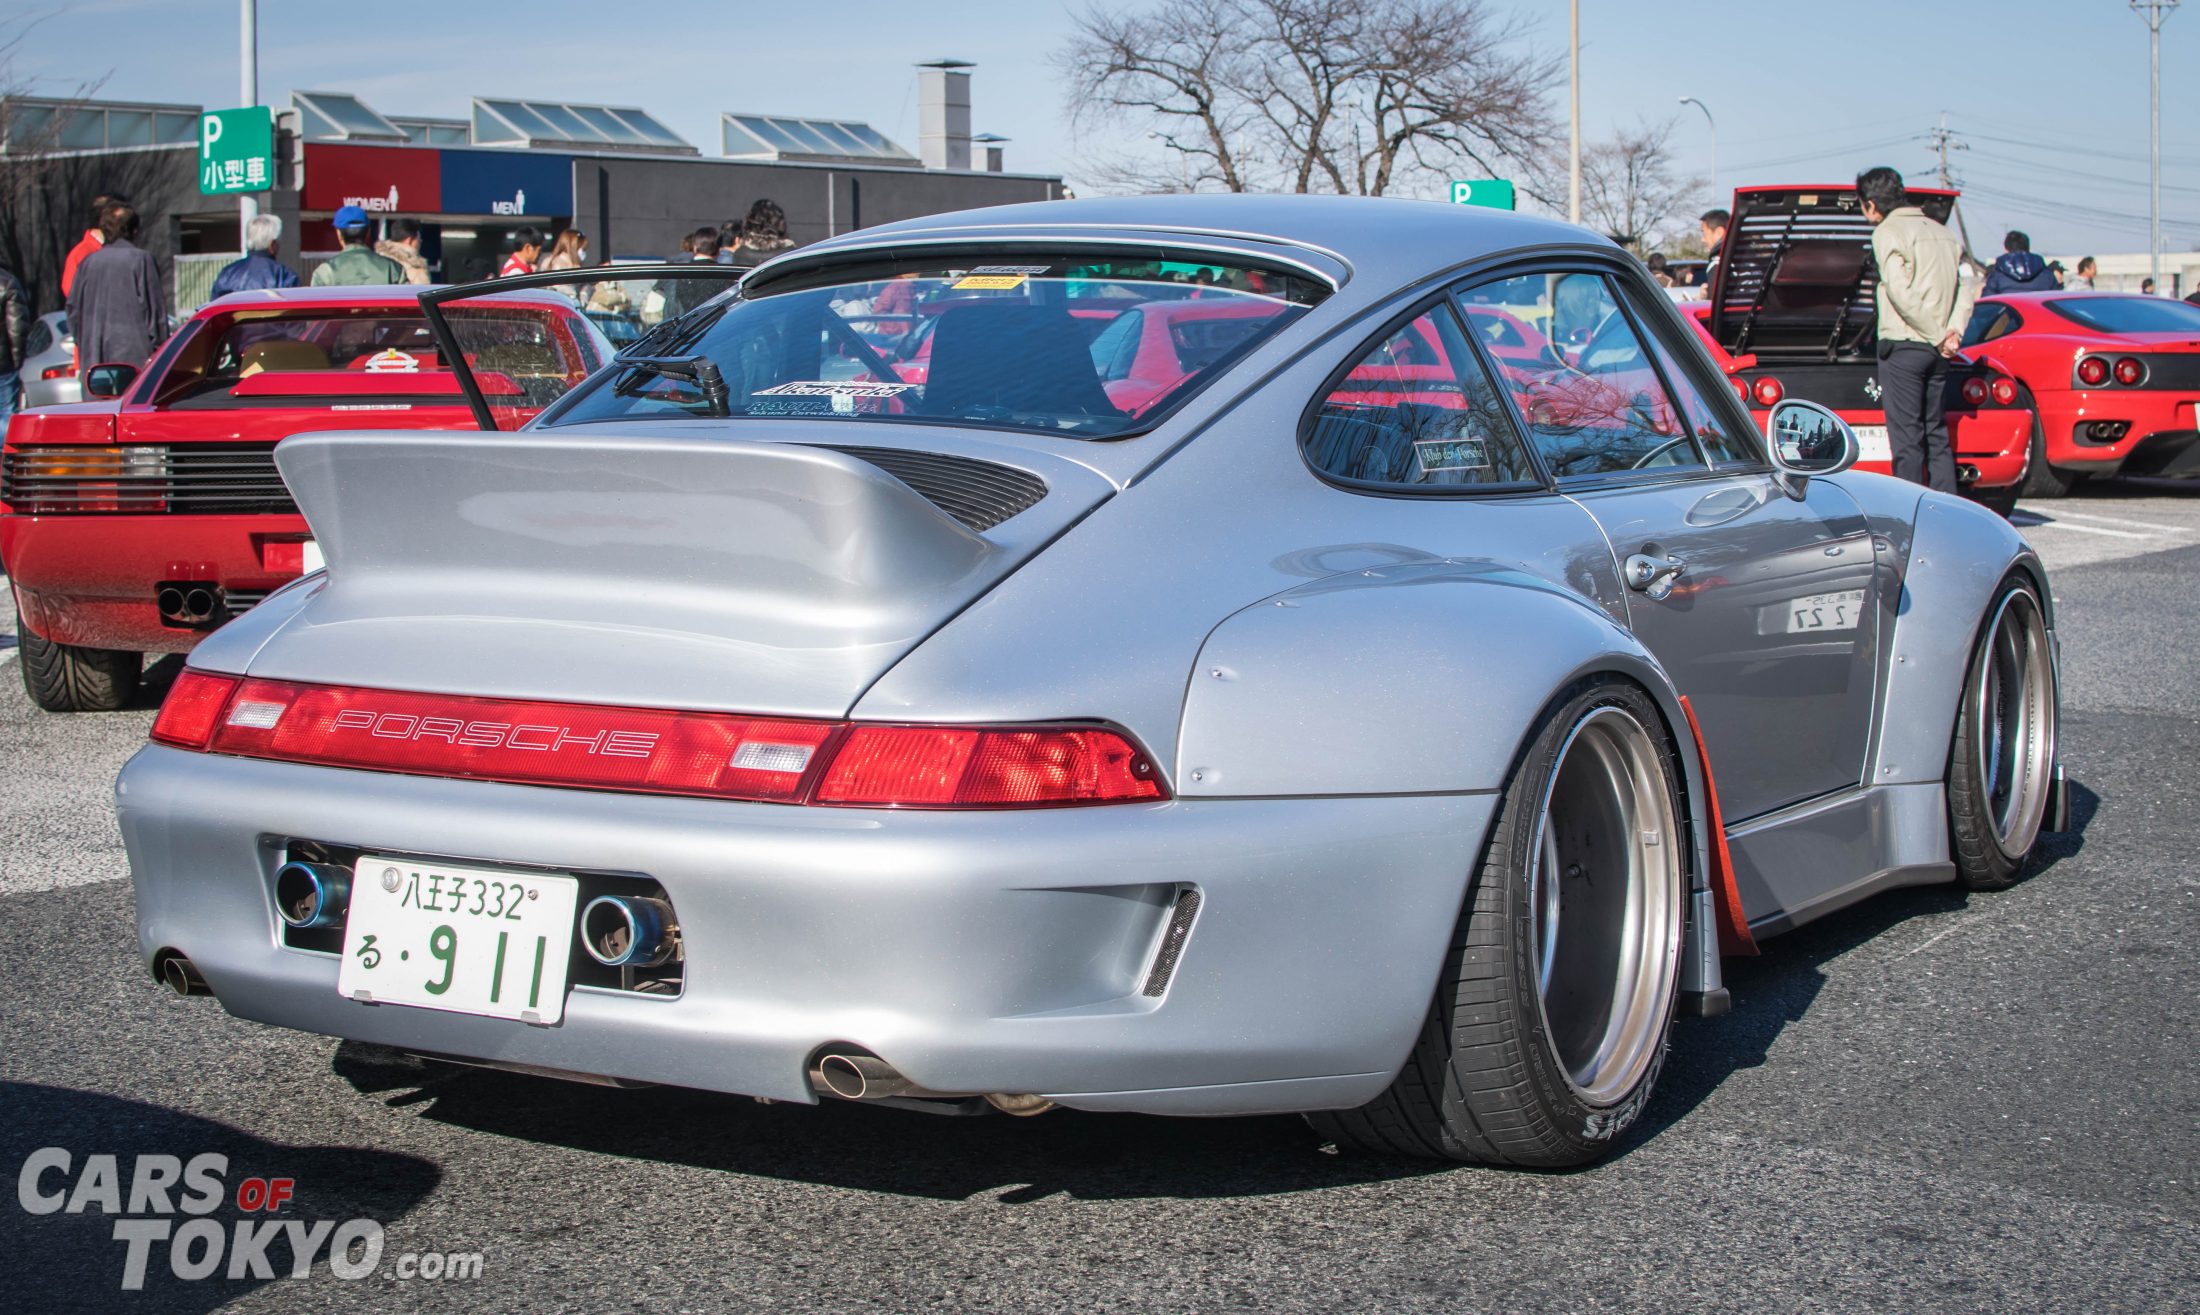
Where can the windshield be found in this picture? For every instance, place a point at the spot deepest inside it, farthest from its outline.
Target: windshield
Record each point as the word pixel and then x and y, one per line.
pixel 2130 314
pixel 1076 345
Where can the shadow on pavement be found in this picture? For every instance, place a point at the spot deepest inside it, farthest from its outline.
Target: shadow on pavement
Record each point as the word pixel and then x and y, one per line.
pixel 65 1261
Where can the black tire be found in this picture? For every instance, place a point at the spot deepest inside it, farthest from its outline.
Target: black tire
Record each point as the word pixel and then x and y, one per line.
pixel 65 678
pixel 1485 1081
pixel 2042 480
pixel 2002 760
pixel 2001 502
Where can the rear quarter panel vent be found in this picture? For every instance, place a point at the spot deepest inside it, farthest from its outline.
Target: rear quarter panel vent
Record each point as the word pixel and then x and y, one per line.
pixel 979 494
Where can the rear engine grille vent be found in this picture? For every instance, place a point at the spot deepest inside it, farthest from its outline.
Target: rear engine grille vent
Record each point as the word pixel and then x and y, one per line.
pixel 229 479
pixel 980 494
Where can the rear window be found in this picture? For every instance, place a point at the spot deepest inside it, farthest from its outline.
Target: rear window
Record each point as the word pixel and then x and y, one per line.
pixel 523 352
pixel 1073 344
pixel 2129 314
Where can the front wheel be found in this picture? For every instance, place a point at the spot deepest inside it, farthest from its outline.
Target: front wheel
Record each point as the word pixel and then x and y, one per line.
pixel 66 678
pixel 1550 1019
pixel 2001 767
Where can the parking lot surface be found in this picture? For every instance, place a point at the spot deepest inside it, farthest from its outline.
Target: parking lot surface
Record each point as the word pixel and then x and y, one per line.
pixel 1932 1101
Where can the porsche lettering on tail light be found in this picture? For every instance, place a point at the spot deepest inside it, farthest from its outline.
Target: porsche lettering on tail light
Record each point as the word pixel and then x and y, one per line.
pixel 657 751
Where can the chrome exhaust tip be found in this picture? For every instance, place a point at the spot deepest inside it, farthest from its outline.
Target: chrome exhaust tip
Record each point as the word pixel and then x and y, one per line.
pixel 182 977
pixel 860 1077
pixel 311 895
pixel 628 931
pixel 198 604
pixel 170 601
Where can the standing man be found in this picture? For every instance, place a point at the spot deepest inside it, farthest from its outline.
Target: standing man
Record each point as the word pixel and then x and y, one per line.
pixel 260 267
pixel 356 263
pixel 88 243
pixel 2082 281
pixel 1923 307
pixel 401 243
pixel 2018 270
pixel 15 328
pixel 526 250
pixel 1712 225
pixel 118 310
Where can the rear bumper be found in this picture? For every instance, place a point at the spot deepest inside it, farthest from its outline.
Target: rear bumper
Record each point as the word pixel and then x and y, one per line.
pixel 2171 453
pixel 90 580
pixel 1995 444
pixel 2159 423
pixel 977 952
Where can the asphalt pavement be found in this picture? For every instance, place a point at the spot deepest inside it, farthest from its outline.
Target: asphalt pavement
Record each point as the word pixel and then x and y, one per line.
pixel 1929 1102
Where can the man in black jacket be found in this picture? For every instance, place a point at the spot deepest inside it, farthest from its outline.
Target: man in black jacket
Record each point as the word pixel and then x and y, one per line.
pixel 118 307
pixel 15 328
pixel 2019 270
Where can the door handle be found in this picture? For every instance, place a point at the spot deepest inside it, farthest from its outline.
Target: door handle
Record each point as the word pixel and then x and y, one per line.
pixel 1652 578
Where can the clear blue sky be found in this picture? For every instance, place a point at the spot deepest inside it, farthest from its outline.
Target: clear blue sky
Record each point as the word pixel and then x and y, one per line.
pixel 2050 95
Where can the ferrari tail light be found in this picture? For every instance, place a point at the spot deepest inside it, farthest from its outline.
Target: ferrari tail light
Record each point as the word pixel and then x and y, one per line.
pixel 2004 391
pixel 1767 391
pixel 2093 371
pixel 194 705
pixel 955 767
pixel 656 751
pixel 1741 388
pixel 2131 372
pixel 84 477
pixel 1974 392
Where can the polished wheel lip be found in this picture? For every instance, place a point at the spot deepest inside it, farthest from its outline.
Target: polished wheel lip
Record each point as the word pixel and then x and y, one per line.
pixel 2013 707
pixel 1644 926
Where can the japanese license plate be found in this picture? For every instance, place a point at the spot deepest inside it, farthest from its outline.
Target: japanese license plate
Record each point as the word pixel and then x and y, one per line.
pixel 466 939
pixel 1839 611
pixel 310 558
pixel 1871 443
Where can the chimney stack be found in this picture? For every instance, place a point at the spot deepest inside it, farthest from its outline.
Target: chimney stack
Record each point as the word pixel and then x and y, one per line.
pixel 943 113
pixel 995 145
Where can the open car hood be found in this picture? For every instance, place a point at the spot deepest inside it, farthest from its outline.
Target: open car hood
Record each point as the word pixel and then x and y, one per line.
pixel 1796 280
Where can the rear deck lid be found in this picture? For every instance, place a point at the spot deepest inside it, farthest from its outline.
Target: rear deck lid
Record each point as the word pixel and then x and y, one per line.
pixel 1796 280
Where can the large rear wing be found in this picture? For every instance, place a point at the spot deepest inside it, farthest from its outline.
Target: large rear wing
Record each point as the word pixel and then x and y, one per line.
pixel 1796 280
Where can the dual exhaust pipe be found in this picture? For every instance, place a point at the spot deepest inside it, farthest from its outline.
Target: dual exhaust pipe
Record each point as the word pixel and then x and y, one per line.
pixel 188 604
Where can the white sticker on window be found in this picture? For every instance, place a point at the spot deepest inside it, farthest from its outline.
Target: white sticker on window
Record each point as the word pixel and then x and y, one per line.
pixel 828 388
pixel 1452 454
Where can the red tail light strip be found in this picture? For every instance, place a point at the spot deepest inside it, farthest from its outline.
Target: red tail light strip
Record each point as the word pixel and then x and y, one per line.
pixel 656 751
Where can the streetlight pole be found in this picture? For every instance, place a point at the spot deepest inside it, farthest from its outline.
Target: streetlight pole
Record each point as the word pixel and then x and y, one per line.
pixel 1573 150
pixel 1691 100
pixel 2154 13
pixel 248 87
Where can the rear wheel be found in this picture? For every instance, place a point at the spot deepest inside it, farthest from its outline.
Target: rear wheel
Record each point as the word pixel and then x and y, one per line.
pixel 2002 764
pixel 2042 480
pixel 66 678
pixel 1550 1019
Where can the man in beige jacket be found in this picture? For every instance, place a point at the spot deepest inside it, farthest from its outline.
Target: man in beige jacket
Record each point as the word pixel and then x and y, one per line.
pixel 1924 304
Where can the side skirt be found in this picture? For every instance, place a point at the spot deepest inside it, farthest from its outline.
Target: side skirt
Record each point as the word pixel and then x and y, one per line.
pixel 1825 854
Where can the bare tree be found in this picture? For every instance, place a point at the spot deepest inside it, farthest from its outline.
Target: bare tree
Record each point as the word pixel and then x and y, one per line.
pixel 1312 95
pixel 38 209
pixel 1629 187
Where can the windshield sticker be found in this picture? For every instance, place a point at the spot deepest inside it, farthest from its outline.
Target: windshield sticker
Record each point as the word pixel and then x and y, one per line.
pixel 1029 271
pixel 392 361
pixel 988 282
pixel 829 388
pixel 1451 454
pixel 372 406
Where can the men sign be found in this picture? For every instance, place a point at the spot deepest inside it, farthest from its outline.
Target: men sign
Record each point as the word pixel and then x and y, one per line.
pixel 237 150
pixel 1496 193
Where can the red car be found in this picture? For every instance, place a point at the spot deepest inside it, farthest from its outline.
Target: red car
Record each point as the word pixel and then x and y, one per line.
pixel 136 524
pixel 1793 313
pixel 2115 381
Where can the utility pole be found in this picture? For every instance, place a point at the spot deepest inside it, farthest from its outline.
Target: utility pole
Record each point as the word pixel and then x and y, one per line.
pixel 1945 141
pixel 248 87
pixel 2154 13
pixel 1573 151
pixel 1691 100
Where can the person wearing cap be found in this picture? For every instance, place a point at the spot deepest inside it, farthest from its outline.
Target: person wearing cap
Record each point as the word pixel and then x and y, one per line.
pixel 357 263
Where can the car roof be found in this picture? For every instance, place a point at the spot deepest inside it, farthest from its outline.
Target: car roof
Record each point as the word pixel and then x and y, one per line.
pixel 1387 240
pixel 404 296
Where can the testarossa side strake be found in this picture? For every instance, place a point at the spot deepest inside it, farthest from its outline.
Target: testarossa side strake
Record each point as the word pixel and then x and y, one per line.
pixel 1312 703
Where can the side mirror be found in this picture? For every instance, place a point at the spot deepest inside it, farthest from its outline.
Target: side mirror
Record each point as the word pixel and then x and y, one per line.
pixel 112 379
pixel 1807 439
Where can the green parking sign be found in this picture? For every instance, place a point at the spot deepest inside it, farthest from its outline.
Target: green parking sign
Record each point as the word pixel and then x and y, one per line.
pixel 236 150
pixel 1496 193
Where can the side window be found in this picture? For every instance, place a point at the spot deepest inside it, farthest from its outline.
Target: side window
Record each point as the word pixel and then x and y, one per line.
pixel 1417 409
pixel 1593 402
pixel 1720 440
pixel 1989 322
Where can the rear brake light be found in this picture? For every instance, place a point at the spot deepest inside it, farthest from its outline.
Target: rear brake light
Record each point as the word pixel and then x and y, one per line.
pixel 193 708
pixel 2130 372
pixel 959 767
pixel 59 371
pixel 654 751
pixel 2093 371
pixel 1741 388
pixel 1974 392
pixel 2004 392
pixel 85 477
pixel 1768 391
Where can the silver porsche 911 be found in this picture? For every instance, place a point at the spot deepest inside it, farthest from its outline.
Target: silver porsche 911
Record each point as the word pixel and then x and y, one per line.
pixel 1195 655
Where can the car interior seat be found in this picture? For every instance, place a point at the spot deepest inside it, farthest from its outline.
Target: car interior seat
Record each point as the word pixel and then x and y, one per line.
pixel 281 354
